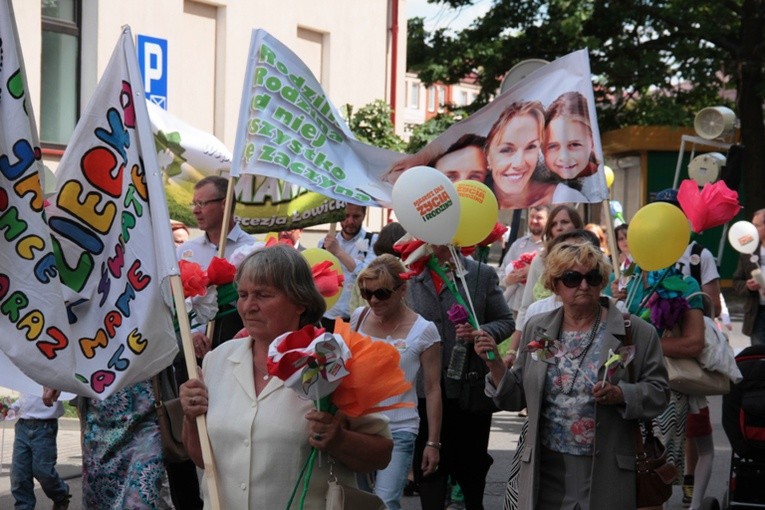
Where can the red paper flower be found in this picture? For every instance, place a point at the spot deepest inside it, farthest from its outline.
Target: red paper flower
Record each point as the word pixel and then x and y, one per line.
pixel 328 281
pixel 194 279
pixel 295 352
pixel 495 235
pixel 715 205
pixel 220 271
pixel 524 260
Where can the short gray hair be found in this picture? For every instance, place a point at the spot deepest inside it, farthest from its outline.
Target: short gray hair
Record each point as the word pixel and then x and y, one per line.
pixel 283 268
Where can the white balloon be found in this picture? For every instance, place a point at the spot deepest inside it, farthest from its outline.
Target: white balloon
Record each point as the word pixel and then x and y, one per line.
pixel 427 205
pixel 743 236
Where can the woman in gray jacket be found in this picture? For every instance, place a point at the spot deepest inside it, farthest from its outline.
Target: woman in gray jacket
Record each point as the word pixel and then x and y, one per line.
pixel 580 450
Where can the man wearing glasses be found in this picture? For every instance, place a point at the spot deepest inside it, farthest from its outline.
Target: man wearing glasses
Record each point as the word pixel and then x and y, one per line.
pixel 208 207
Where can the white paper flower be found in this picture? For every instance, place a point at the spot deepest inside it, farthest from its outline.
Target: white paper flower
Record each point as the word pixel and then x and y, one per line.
pixel 206 307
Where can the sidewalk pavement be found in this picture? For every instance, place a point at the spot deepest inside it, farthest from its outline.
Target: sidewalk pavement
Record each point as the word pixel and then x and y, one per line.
pixel 504 436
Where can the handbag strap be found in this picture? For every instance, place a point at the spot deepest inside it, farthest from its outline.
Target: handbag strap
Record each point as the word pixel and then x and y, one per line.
pixel 639 448
pixel 362 315
pixel 157 393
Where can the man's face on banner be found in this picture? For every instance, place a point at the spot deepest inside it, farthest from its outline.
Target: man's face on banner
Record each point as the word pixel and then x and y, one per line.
pixel 468 163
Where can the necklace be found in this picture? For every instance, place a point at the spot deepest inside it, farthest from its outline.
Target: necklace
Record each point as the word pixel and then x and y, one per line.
pixel 575 357
pixel 381 321
pixel 266 375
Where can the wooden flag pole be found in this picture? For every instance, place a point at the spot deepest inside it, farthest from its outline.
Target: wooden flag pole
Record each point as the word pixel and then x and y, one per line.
pixel 191 367
pixel 612 247
pixel 223 238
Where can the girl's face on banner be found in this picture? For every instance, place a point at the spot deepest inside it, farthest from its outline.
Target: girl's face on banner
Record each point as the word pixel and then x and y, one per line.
pixel 568 147
pixel 514 155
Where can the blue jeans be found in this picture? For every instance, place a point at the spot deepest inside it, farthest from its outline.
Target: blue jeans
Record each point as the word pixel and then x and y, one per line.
pixel 389 485
pixel 34 455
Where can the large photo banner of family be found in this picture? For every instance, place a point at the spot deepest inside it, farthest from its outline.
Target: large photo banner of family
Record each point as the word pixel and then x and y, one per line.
pixel 537 143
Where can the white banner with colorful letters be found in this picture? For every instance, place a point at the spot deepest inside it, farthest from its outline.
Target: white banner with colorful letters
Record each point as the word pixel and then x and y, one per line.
pixel 81 301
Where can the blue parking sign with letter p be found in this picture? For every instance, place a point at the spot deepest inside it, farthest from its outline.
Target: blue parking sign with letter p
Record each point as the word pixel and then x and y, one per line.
pixel 152 59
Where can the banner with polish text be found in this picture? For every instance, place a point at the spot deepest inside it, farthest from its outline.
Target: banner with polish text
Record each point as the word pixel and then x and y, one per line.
pixel 263 204
pixel 537 143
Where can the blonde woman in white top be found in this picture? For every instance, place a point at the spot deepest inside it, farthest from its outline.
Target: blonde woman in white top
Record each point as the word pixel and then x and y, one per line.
pixel 389 319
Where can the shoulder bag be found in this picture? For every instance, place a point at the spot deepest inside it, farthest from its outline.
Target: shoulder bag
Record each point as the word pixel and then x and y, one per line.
pixel 688 375
pixel 170 416
pixel 654 474
pixel 343 497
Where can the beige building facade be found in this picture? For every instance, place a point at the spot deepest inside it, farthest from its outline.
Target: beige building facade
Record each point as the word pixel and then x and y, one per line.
pixel 195 54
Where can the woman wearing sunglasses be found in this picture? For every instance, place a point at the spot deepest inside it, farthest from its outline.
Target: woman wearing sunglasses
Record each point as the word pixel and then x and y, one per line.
pixel 580 449
pixel 389 319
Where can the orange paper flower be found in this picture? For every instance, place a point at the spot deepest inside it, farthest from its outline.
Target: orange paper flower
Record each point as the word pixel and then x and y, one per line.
pixel 375 375
pixel 715 205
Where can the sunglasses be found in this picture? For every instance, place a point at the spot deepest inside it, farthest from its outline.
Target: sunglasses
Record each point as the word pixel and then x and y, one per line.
pixel 573 279
pixel 380 294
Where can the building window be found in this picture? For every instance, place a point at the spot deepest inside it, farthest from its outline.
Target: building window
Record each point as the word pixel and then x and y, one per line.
pixel 441 96
pixel 414 95
pixel 60 73
pixel 464 101
pixel 432 99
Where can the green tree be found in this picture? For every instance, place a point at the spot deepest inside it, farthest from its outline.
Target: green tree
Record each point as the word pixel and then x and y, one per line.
pixel 653 61
pixel 372 124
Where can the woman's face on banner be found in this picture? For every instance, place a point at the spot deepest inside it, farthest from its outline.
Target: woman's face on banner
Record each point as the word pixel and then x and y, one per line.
pixel 467 163
pixel 568 146
pixel 514 154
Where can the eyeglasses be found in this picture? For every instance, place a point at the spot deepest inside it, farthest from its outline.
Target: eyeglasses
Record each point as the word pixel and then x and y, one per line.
pixel 573 279
pixel 202 203
pixel 380 294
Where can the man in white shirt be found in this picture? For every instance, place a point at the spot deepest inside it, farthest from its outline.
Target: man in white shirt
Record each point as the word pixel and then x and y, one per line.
pixel 697 261
pixel 353 248
pixel 208 207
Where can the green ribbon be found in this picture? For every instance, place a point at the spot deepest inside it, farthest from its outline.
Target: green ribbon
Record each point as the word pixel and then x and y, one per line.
pixel 324 404
pixel 441 272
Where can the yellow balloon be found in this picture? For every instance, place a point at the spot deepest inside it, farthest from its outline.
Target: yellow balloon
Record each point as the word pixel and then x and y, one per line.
pixel 478 212
pixel 317 256
pixel 658 235
pixel 609 176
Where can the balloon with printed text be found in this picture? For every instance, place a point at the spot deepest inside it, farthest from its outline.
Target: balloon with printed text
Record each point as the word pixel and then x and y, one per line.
pixel 478 213
pixel 743 236
pixel 427 205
